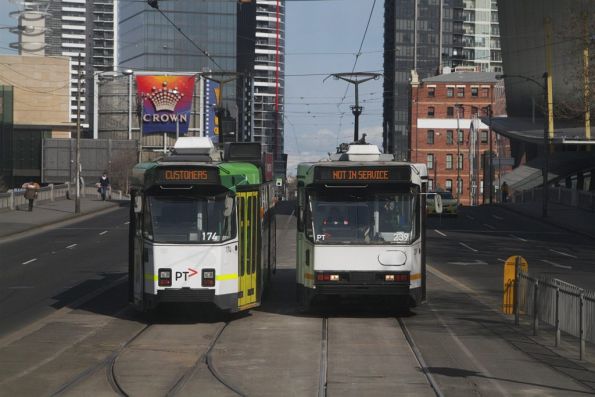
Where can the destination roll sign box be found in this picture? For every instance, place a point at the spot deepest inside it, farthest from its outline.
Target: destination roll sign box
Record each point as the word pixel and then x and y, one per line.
pixel 380 174
pixel 187 176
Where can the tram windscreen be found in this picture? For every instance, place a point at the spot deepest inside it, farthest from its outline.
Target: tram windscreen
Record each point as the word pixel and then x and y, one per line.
pixel 190 219
pixel 363 216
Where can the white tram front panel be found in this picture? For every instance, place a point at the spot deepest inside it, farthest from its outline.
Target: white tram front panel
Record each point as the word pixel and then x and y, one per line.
pixel 192 273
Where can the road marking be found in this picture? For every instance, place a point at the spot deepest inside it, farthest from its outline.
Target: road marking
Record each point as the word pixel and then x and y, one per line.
pixel 518 238
pixel 127 223
pixel 556 264
pixel 21 287
pixel 470 217
pixel 475 262
pixel 103 232
pixel 29 261
pixel 71 246
pixel 497 217
pixel 466 246
pixel 440 233
pixel 489 226
pixel 564 253
pixel 501 260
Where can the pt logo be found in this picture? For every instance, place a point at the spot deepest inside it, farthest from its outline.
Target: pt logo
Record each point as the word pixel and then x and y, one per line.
pixel 186 275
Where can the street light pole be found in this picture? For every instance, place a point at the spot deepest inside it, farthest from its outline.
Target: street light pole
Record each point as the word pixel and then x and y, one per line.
pixel 77 201
pixel 129 73
pixel 459 162
pixel 491 160
pixel 546 146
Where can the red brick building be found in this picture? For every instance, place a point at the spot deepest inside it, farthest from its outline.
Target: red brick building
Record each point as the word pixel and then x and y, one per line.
pixel 439 106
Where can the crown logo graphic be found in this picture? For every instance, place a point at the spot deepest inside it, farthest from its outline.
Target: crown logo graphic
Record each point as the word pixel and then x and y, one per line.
pixel 164 98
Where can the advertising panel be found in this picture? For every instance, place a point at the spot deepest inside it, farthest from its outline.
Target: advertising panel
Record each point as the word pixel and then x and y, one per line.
pixel 212 92
pixel 166 103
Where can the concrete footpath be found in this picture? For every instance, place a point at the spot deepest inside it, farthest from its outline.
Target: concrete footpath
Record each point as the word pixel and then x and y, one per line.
pixel 20 221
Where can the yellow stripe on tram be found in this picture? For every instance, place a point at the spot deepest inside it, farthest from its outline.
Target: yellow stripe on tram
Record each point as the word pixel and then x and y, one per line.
pixel 150 277
pixel 223 277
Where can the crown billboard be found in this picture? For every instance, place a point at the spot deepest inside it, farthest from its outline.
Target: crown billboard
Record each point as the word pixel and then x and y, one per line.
pixel 166 103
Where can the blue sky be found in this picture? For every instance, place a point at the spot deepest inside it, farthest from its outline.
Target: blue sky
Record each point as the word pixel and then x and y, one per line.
pixel 322 37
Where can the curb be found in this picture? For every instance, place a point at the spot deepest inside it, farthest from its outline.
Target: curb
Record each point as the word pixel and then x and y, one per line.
pixel 547 221
pixel 37 229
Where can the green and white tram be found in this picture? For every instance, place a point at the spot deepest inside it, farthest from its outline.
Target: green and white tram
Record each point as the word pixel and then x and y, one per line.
pixel 361 226
pixel 202 228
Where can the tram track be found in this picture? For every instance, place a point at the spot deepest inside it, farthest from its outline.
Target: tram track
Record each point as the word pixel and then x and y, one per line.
pixel 419 357
pixel 110 366
pixel 323 377
pixel 107 364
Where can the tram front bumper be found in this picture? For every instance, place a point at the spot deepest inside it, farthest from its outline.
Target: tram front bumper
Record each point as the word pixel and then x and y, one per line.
pixel 361 289
pixel 187 295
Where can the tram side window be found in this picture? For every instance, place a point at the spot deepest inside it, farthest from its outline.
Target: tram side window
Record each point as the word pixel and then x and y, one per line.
pixel 147 223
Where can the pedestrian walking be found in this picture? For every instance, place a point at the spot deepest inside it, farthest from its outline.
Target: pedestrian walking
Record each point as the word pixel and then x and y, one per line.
pixel 31 189
pixel 504 192
pixel 103 186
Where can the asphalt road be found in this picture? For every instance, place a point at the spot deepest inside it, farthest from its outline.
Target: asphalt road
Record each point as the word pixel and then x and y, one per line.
pixel 49 271
pixel 66 329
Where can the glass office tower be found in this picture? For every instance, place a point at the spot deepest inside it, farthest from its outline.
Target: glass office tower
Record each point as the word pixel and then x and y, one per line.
pixel 421 35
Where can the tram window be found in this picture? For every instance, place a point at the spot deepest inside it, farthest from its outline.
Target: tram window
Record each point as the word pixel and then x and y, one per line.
pixel 189 219
pixel 364 217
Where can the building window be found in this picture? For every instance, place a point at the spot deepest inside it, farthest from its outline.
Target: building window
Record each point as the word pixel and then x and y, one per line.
pixel 484 137
pixel 448 185
pixel 460 92
pixel 449 161
pixel 474 91
pixel 481 186
pixel 431 111
pixel 474 111
pixel 432 92
pixel 461 136
pixel 430 161
pixel 461 161
pixel 450 111
pixel 430 185
pixel 449 137
pixel 461 112
pixel 460 187
pixel 450 92
pixel 430 137
pixel 485 111
pixel 485 92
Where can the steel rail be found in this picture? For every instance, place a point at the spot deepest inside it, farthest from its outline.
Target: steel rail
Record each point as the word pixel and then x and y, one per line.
pixel 420 359
pixel 323 377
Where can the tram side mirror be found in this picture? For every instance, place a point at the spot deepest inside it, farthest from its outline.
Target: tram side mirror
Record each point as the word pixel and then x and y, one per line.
pixel 138 204
pixel 438 203
pixel 228 206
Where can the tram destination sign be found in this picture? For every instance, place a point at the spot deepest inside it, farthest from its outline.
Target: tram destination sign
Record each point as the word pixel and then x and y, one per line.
pixel 187 175
pixel 375 174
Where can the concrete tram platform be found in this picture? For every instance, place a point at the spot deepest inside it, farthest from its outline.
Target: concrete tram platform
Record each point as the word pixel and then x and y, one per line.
pixel 21 222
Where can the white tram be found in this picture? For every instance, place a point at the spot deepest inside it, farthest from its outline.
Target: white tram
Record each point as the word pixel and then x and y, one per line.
pixel 361 226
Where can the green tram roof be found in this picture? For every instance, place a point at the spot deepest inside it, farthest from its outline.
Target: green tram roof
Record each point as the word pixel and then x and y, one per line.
pixel 231 174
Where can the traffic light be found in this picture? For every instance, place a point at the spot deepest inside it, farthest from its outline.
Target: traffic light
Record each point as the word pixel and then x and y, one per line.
pixel 153 3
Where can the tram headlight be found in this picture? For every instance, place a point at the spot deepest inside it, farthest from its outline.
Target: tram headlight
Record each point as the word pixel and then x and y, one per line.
pixel 208 277
pixel 164 279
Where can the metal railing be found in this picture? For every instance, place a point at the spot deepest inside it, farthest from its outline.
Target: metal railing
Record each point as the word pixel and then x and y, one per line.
pixel 16 197
pixel 565 307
